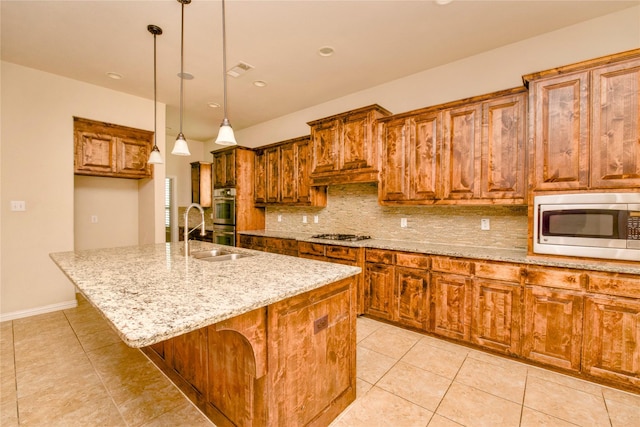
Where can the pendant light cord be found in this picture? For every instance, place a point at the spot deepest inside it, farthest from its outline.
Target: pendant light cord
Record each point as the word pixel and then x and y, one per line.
pixel 181 64
pixel 155 97
pixel 224 61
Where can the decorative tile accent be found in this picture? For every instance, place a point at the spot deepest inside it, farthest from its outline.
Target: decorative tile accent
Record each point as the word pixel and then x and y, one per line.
pixel 354 209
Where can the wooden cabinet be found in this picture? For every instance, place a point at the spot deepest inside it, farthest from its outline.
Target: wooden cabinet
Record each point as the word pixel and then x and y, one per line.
pixel 344 147
pixel 105 149
pixel 282 175
pixel 495 314
pixel 396 287
pixel 612 339
pixel 341 255
pixel 552 327
pixel 201 183
pixel 451 305
pixel 469 151
pixel 585 124
pixel 224 168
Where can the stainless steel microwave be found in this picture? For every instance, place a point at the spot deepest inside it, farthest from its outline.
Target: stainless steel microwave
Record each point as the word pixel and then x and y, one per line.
pixel 595 225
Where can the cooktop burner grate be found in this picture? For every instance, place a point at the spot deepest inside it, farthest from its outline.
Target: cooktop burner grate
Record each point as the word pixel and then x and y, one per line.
pixel 348 237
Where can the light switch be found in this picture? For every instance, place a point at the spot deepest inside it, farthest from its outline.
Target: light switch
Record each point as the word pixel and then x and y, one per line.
pixel 18 205
pixel 485 224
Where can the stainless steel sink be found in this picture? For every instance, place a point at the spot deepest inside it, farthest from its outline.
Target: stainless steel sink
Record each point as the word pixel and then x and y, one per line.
pixel 209 253
pixel 226 257
pixel 217 255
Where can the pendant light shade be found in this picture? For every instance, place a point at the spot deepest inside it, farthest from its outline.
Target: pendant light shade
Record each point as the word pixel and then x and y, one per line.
pixel 225 134
pixel 181 148
pixel 155 158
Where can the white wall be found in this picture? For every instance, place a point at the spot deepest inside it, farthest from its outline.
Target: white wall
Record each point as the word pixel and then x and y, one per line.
pixel 180 167
pixel 37 167
pixel 497 69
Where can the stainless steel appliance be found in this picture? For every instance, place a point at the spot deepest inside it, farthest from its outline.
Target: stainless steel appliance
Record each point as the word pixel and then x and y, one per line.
pixel 343 237
pixel 224 206
pixel 224 235
pixel 596 225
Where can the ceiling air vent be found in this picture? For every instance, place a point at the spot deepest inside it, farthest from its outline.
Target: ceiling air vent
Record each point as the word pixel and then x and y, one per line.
pixel 239 69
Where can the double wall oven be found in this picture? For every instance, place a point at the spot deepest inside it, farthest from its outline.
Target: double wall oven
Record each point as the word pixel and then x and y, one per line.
pixel 224 216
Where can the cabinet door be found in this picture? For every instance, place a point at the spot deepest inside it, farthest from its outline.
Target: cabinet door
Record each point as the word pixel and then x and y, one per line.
pixel 394 176
pixel 379 290
pixel 496 315
pixel 612 339
pixel 561 140
pixel 230 168
pixel 301 172
pixel 273 175
pixel 615 134
pixel 95 152
pixel 424 165
pixel 450 305
pixel 356 146
pixel 131 158
pixel 260 177
pixel 503 155
pixel 324 137
pixel 461 153
pixel 287 174
pixel 411 297
pixel 219 170
pixel 552 327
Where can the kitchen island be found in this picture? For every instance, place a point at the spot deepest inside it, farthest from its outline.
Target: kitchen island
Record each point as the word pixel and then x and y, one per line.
pixel 261 340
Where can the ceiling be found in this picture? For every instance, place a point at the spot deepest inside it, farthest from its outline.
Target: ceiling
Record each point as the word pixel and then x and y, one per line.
pixel 375 41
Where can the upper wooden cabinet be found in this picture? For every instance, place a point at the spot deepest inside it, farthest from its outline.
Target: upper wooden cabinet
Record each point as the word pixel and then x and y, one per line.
pixel 468 151
pixel 344 147
pixel 584 124
pixel 282 175
pixel 224 168
pixel 201 185
pixel 105 149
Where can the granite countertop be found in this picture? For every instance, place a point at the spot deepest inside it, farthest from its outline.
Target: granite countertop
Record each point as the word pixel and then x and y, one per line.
pixel 153 292
pixel 515 255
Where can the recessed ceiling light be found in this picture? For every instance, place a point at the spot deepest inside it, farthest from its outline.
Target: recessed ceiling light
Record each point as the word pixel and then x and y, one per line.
pixel 114 76
pixel 443 2
pixel 186 76
pixel 325 51
pixel 260 83
pixel 213 104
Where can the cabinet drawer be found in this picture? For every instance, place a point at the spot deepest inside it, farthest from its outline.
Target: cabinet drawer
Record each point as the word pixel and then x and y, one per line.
pixel 627 285
pixel 498 271
pixel 412 260
pixel 379 256
pixel 556 278
pixel 451 265
pixel 315 249
pixel 342 252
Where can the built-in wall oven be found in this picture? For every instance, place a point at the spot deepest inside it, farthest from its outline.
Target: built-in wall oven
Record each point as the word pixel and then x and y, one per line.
pixel 224 216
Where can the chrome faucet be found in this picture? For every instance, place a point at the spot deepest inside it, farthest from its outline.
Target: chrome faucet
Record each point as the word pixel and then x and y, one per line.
pixel 186 226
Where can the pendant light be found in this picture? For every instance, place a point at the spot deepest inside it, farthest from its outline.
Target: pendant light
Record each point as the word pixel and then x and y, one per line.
pixel 181 148
pixel 155 157
pixel 225 135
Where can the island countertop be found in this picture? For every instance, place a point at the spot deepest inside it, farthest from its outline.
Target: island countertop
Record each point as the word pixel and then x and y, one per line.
pixel 151 293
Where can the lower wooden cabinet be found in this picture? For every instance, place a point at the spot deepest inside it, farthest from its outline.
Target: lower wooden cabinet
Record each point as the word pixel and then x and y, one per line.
pixel 411 297
pixel 495 315
pixel 553 326
pixel 378 290
pixel 450 306
pixel 612 339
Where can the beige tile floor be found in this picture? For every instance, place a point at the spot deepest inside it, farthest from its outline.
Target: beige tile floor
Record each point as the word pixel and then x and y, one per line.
pixel 69 368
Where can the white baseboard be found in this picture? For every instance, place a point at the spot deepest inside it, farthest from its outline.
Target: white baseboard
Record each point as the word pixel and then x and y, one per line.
pixel 38 310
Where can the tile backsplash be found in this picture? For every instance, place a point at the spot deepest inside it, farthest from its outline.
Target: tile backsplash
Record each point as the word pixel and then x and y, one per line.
pixel 354 209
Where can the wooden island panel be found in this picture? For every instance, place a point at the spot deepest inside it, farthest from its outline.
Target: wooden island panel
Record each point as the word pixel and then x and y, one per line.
pixel 292 363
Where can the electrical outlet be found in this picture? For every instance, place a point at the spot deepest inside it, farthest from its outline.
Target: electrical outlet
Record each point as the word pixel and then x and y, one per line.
pixel 279 218
pixel 485 224
pixel 403 222
pixel 94 219
pixel 18 205
pixel 304 219
pixel 315 219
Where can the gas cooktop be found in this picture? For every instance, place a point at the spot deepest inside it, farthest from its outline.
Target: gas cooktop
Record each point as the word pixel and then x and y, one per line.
pixel 347 237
